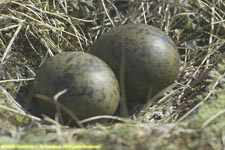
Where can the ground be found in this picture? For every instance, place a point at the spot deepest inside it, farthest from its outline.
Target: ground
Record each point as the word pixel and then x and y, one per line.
pixel 187 115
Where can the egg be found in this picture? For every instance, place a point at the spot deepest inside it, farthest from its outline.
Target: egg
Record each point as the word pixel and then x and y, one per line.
pixel 90 86
pixel 149 57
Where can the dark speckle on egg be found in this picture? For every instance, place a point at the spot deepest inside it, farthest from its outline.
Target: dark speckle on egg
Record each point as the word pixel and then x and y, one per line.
pixel 64 81
pixel 69 59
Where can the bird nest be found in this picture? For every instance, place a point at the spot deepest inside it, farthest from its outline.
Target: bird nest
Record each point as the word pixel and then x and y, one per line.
pixel 189 114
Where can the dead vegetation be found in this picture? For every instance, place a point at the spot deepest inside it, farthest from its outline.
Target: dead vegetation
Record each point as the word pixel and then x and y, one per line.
pixel 187 115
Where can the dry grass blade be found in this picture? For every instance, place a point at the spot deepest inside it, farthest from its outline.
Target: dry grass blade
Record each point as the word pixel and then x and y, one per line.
pixel 20 113
pixel 16 80
pixel 104 117
pixel 212 118
pixel 10 100
pixel 8 48
pixel 107 14
pixel 61 107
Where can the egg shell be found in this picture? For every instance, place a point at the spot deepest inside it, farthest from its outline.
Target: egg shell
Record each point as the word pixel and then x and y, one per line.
pixel 92 88
pixel 151 58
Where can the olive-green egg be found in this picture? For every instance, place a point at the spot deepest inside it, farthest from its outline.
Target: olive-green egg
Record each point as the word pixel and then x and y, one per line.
pixel 151 58
pixel 91 86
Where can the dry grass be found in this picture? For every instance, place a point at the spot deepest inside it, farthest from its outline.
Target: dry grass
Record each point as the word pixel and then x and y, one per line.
pixel 187 115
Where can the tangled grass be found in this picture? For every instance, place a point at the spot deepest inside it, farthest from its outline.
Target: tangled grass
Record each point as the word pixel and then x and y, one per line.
pixel 187 115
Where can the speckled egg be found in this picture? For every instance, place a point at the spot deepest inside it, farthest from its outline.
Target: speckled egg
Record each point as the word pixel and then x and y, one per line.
pixel 151 59
pixel 92 88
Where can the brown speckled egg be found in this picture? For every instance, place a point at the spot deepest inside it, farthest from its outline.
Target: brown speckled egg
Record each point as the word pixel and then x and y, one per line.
pixel 151 58
pixel 92 88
